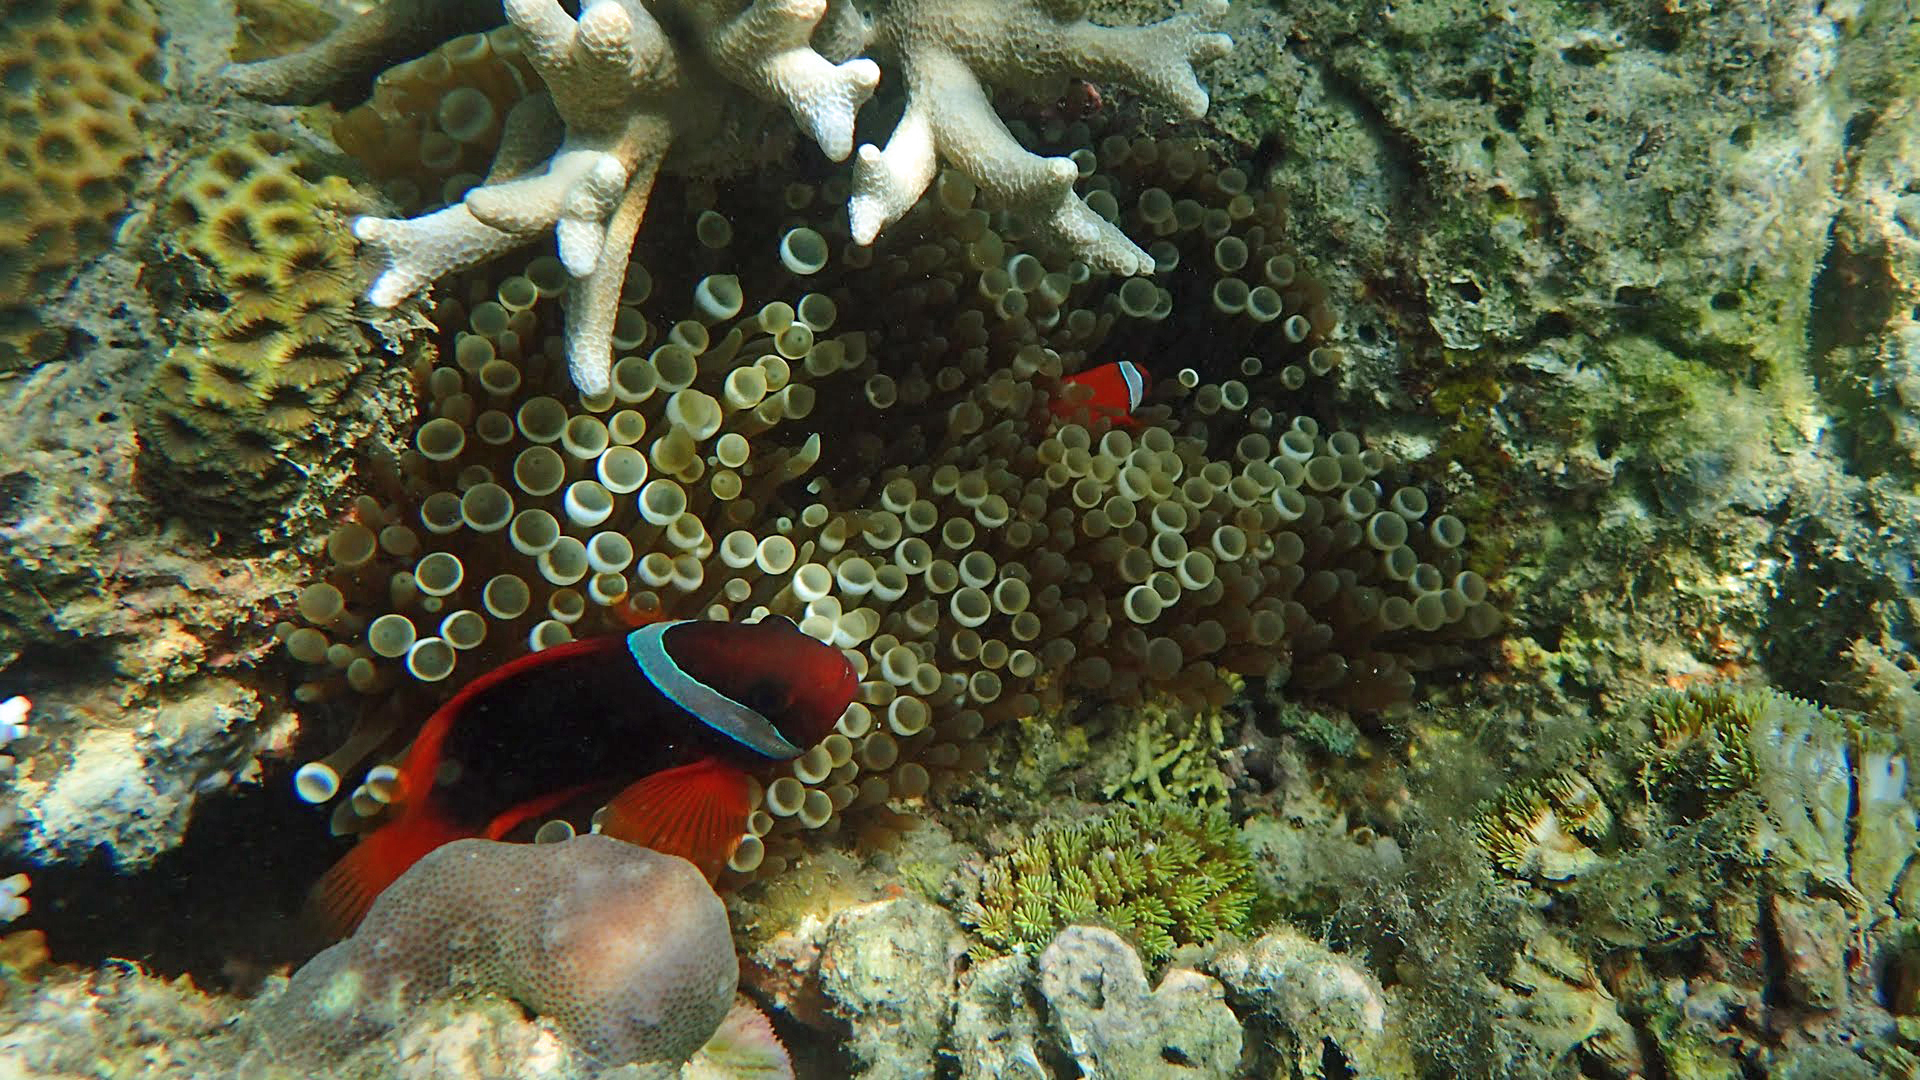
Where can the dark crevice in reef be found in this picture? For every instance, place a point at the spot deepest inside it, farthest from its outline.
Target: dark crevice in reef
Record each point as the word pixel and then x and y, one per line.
pixel 1773 994
pixel 1853 295
pixel 14 488
pixel 813 1054
pixel 224 907
pixel 1820 606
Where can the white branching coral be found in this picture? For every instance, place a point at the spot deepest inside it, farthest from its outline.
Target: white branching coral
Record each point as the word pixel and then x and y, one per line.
pixel 949 53
pixel 617 86
pixel 629 78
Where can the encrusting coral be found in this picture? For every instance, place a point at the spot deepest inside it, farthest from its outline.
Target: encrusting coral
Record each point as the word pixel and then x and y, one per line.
pixel 620 91
pixel 273 363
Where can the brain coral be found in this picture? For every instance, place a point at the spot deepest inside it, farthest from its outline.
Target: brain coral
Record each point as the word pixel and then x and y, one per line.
pixel 76 74
pixel 626 950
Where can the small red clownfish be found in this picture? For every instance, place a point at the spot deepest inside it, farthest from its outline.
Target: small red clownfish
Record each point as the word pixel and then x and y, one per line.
pixel 1111 392
pixel 689 707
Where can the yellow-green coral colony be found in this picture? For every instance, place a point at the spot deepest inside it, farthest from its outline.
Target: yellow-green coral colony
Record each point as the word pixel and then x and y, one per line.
pixel 1162 876
pixel 266 370
pixel 77 75
pixel 859 438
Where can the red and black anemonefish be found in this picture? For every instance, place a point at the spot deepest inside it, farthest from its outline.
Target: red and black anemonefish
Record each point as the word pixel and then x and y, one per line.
pixel 1110 393
pixel 691 709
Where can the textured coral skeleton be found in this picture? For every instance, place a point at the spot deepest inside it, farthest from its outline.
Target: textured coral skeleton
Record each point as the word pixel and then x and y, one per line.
pixel 622 88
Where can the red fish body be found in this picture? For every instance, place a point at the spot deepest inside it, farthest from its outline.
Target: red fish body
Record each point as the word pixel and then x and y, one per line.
pixel 1108 393
pixel 687 708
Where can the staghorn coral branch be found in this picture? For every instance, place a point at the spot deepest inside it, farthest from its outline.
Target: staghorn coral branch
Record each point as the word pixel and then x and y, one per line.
pixel 418 251
pixel 593 301
pixel 609 76
pixel 949 50
pixel 620 91
pixel 949 116
pixel 765 49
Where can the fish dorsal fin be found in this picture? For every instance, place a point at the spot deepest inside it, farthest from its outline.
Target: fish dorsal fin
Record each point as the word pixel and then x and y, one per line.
pixel 711 707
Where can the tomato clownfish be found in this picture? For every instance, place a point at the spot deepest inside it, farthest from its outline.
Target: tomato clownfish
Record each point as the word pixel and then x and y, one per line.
pixel 1111 392
pixel 688 707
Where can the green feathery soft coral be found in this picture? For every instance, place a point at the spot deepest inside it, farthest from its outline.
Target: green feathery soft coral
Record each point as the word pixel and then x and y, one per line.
pixel 1701 739
pixel 1162 876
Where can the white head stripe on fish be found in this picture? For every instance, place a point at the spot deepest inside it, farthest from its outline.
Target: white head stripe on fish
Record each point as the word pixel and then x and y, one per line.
pixel 1136 386
pixel 709 706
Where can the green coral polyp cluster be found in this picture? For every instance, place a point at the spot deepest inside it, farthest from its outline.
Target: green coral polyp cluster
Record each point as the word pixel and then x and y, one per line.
pixel 1539 828
pixel 1701 741
pixel 1163 877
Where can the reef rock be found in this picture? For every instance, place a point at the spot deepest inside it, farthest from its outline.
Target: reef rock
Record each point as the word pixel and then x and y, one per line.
pixel 889 969
pixel 1113 1023
pixel 996 1031
pixel 1302 997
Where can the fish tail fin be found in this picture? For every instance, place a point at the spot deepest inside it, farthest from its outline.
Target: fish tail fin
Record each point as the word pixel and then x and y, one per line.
pixel 696 811
pixel 343 894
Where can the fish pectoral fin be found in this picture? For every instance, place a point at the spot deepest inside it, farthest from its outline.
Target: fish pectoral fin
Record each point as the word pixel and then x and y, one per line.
pixel 696 811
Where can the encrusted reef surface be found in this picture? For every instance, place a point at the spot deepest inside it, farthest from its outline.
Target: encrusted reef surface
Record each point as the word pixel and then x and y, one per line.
pixel 1482 644
pixel 1649 275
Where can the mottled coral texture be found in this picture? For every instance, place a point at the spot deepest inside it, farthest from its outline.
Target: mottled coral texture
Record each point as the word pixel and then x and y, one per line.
pixel 626 950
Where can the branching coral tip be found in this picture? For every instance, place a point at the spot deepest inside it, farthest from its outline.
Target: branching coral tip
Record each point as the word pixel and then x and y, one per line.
pixel 13 718
pixel 13 891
